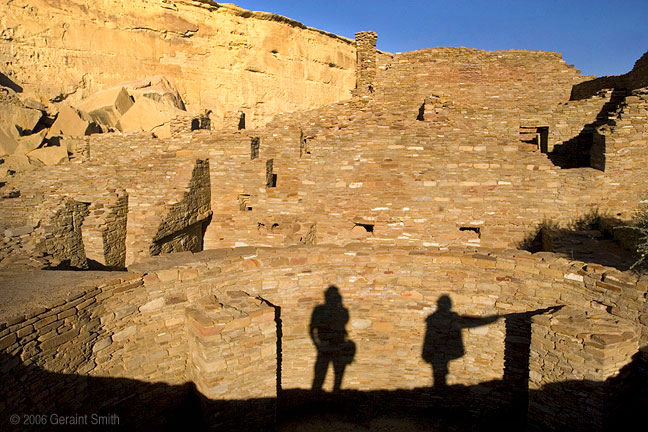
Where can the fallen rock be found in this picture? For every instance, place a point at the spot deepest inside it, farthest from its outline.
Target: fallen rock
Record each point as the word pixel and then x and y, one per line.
pixel 22 118
pixel 18 231
pixel 106 107
pixel 14 163
pixel 72 144
pixel 163 131
pixel 30 142
pixel 157 88
pixel 9 194
pixel 8 142
pixel 147 115
pixel 73 122
pixel 49 155
pixel 34 104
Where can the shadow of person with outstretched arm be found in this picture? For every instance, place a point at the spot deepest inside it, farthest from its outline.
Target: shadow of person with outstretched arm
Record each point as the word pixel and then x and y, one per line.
pixel 328 332
pixel 443 341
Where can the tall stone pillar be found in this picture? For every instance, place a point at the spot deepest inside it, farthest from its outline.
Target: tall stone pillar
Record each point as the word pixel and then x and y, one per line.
pixel 233 360
pixel 365 63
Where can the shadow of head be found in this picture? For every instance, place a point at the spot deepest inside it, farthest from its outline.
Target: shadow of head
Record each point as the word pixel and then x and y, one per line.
pixel 332 296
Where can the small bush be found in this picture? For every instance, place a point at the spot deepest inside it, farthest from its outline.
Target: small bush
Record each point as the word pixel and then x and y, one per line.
pixel 640 226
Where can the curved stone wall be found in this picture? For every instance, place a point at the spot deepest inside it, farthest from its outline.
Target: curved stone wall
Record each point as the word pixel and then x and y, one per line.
pixel 148 326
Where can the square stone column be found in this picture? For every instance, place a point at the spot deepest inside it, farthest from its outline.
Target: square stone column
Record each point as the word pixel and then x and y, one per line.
pixel 577 369
pixel 233 360
pixel 365 63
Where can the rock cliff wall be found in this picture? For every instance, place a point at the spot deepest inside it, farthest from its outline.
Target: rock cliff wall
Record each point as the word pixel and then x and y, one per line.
pixel 221 57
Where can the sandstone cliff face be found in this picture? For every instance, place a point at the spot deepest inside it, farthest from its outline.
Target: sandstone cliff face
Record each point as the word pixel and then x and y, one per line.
pixel 220 57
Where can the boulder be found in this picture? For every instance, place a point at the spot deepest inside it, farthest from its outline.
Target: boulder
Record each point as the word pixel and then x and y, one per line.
pixel 14 163
pixel 157 88
pixel 8 141
pixel 30 102
pixel 73 122
pixel 106 107
pixel 30 142
pixel 147 115
pixel 72 144
pixel 49 155
pixel 163 131
pixel 22 118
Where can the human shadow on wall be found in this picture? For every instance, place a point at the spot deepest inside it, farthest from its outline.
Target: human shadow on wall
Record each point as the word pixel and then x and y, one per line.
pixel 443 340
pixel 328 332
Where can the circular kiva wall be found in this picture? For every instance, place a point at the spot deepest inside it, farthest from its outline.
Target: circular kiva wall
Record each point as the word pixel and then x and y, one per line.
pixel 236 324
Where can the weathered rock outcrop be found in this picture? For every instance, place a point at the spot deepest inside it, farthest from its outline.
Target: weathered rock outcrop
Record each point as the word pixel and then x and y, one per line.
pixel 221 57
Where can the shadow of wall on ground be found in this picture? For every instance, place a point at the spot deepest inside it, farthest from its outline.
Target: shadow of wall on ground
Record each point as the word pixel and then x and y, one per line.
pixel 593 238
pixel 143 406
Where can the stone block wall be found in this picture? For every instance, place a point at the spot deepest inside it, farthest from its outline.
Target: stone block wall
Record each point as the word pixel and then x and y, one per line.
pixel 635 79
pixel 575 355
pixel 568 119
pixel 233 355
pixel 61 237
pixel 183 227
pixel 620 147
pixel 496 87
pixel 104 232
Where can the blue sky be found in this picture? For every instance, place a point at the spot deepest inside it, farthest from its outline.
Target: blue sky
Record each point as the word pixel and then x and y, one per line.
pixel 599 37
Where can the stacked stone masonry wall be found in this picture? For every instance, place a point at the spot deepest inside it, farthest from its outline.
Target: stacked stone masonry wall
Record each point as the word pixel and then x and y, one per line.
pixel 635 79
pixel 114 329
pixel 576 345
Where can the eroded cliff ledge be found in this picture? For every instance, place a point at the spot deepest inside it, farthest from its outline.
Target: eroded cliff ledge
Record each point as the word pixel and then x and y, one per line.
pixel 221 57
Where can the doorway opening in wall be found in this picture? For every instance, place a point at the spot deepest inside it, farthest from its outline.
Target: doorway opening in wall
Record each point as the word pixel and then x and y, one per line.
pixel 241 124
pixel 421 113
pixel 543 138
pixel 536 135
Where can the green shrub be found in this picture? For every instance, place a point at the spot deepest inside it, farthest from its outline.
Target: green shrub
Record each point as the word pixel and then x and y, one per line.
pixel 640 226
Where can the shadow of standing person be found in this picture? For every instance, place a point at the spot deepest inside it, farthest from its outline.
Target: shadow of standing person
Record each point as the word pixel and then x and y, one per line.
pixel 328 332
pixel 443 341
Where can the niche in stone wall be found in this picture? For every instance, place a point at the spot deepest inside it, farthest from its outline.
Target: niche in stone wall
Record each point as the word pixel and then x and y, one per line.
pixel 255 145
pixel 241 124
pixel 577 152
pixel 244 202
pixel 362 230
pixel 303 144
pixel 271 178
pixel 202 121
pixel 470 234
